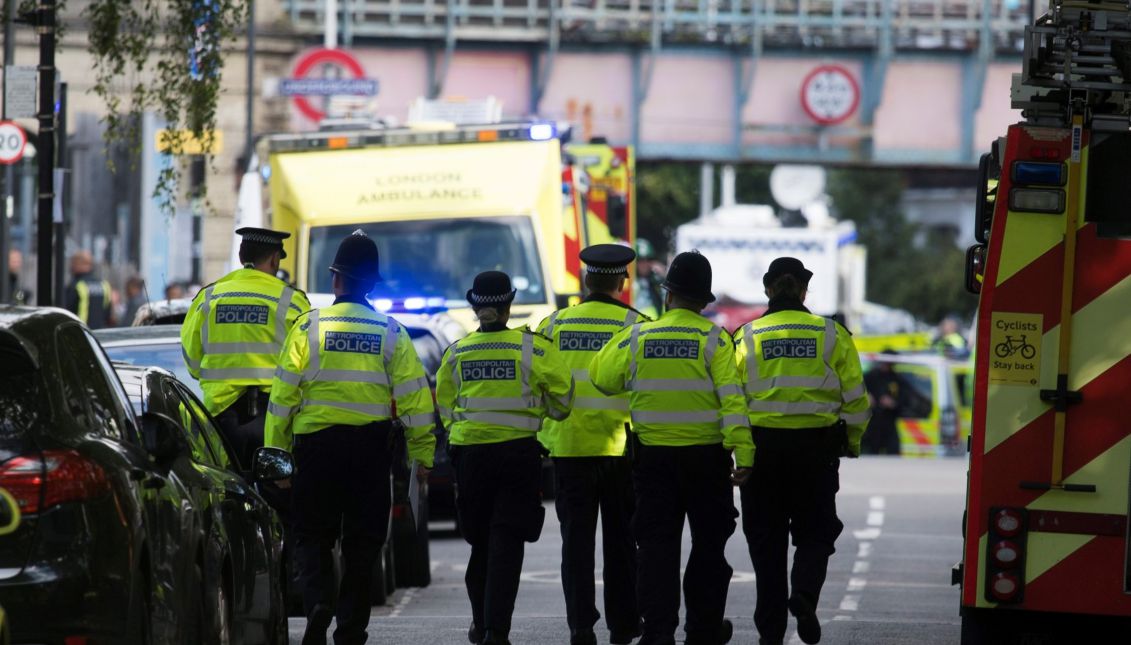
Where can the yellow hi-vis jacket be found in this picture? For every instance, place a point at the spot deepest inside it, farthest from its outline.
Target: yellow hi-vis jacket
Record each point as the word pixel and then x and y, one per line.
pixel 595 428
pixel 497 386
pixel 233 332
pixel 682 382
pixel 346 365
pixel 800 370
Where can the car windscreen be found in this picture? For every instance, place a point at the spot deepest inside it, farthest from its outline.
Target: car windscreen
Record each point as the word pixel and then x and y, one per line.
pixel 438 258
pixel 23 398
pixel 164 355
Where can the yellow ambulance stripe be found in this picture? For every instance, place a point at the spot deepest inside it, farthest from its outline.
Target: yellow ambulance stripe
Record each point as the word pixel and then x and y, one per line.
pixel 1046 550
pixel 1101 337
pixel 1108 472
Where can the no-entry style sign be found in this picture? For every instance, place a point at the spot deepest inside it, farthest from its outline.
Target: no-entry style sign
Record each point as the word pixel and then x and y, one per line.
pixel 13 142
pixel 326 72
pixel 830 94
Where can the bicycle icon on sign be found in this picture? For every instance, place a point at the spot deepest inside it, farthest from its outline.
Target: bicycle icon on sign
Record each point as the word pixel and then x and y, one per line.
pixel 1014 344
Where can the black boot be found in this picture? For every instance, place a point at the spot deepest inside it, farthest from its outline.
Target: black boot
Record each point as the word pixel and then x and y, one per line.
pixel 582 637
pixel 808 627
pixel 316 625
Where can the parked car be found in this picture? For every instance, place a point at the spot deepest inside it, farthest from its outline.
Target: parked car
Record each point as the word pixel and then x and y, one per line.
pixel 230 539
pixel 162 312
pixel 934 419
pixel 93 558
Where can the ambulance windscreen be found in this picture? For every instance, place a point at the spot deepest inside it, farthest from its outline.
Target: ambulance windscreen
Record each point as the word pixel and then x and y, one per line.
pixel 438 258
pixel 1108 187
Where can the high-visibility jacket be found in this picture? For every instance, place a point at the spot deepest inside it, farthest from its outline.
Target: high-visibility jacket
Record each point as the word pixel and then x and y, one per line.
pixel 682 382
pixel 595 427
pixel 233 333
pixel 91 300
pixel 497 386
pixel 800 370
pixel 347 365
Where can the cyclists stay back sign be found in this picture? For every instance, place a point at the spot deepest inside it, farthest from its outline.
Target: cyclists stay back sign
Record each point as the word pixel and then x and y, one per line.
pixel 1015 345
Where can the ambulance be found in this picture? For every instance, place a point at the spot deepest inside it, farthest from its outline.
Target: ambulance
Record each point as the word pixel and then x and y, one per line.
pixel 444 202
pixel 1046 550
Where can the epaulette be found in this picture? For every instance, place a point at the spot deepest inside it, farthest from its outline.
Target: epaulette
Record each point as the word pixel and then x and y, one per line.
pixel 527 330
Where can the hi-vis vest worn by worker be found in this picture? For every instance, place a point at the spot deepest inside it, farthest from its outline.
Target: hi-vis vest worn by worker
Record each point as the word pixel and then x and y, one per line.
pixel 595 427
pixel 683 385
pixel 233 332
pixel 92 301
pixel 800 370
pixel 345 365
pixel 497 386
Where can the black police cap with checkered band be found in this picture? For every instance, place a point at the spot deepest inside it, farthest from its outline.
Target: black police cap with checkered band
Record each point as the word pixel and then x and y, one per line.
pixel 491 288
pixel 263 236
pixel 609 259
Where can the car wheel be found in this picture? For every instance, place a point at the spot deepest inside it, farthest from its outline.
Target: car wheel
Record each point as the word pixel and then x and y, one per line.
pixel 222 620
pixel 140 628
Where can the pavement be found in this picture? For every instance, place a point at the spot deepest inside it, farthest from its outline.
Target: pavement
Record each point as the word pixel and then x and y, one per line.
pixel 888 583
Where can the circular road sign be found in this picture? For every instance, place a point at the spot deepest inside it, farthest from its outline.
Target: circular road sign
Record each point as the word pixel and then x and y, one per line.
pixel 13 142
pixel 315 60
pixel 830 94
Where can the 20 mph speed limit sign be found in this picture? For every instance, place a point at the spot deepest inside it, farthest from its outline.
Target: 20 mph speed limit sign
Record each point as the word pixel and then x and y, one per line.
pixel 13 142
pixel 830 94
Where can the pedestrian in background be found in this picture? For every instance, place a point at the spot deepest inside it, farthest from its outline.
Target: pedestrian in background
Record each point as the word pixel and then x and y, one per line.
pixel 341 370
pixel 887 393
pixel 591 471
pixel 135 298
pixel 493 389
pixel 687 412
pixel 232 336
pixel 87 296
pixel 808 407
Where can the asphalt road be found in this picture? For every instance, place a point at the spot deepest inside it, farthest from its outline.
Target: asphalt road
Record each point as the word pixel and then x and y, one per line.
pixel 888 583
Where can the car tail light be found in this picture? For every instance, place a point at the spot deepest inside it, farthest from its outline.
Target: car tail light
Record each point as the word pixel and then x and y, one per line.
pixel 1005 560
pixel 38 483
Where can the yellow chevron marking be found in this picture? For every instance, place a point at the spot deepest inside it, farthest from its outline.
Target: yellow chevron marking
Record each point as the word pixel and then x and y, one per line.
pixel 1109 474
pixel 980 593
pixel 1101 337
pixel 1046 550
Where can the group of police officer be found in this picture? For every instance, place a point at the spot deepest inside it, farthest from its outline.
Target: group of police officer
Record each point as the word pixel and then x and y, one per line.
pixel 648 423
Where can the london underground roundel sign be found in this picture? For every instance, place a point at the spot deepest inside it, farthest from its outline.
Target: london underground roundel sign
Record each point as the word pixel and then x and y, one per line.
pixel 342 75
pixel 830 94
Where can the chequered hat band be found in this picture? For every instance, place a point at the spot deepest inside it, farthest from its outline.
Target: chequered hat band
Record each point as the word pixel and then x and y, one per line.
pixel 492 300
pixel 261 238
pixel 606 270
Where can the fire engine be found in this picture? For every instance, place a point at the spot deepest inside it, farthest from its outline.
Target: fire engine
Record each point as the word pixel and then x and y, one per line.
pixel 1046 549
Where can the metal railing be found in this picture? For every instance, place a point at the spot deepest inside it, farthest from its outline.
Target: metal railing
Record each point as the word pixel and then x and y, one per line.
pixel 898 24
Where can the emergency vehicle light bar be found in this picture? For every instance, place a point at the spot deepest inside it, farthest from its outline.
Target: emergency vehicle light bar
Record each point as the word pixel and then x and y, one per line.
pixel 342 140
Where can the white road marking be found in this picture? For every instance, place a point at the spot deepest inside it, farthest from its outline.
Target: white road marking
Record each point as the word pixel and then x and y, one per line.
pixel 866 534
pixel 876 518
pixel 850 602
pixel 864 550
pixel 409 594
pixel 876 503
pixel 857 584
pixel 861 566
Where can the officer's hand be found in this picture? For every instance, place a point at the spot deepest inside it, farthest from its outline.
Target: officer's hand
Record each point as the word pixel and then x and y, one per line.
pixel 738 476
pixel 851 453
pixel 284 484
pixel 422 473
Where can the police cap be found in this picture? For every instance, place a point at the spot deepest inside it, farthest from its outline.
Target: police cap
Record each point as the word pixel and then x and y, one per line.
pixel 491 288
pixel 357 258
pixel 264 236
pixel 786 266
pixel 689 276
pixel 608 259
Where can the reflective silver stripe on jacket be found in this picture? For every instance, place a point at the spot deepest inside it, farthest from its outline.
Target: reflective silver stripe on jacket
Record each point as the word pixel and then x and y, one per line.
pixel 774 382
pixel 560 409
pixel 728 390
pixel 527 364
pixel 314 351
pixel 372 409
pixel 281 315
pixel 205 311
pixel 279 410
pixel 193 365
pixel 673 385
pixel 353 376
pixel 630 317
pixel 712 346
pixel 853 394
pixel 389 349
pixel 495 403
pixel 599 403
pixel 409 387
pixel 501 419
pixel 735 420
pixel 859 418
pixel 580 375
pixel 220 349
pixel 553 321
pixel 417 420
pixel 233 373
pixel 290 378
pixel 633 346
pixel 830 340
pixel 655 416
pixel 794 407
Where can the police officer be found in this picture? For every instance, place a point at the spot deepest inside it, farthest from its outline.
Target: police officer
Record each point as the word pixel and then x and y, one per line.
pixel 687 411
pixel 493 389
pixel 232 335
pixel 332 399
pixel 808 407
pixel 87 296
pixel 590 466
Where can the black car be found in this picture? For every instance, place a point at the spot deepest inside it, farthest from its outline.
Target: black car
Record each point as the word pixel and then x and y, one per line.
pixel 93 558
pixel 230 539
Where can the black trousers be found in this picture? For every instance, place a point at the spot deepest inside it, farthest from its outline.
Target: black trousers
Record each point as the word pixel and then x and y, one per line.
pixel 672 483
pixel 499 501
pixel 242 428
pixel 791 491
pixel 586 485
pixel 341 489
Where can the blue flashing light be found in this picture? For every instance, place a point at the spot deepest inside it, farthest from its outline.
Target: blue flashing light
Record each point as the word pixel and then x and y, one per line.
pixel 1039 173
pixel 542 132
pixel 383 304
pixel 411 304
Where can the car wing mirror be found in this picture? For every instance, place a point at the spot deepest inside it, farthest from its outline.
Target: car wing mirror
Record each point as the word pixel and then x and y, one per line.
pixel 9 513
pixel 272 464
pixel 162 437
